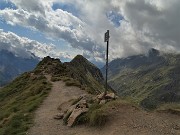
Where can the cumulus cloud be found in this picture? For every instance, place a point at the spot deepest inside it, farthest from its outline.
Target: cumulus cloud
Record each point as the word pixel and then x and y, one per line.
pixel 157 23
pixel 24 47
pixel 135 25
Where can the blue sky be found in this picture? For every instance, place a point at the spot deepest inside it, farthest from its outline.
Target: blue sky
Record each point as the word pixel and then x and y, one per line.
pixel 66 7
pixel 6 4
pixel 115 18
pixel 65 28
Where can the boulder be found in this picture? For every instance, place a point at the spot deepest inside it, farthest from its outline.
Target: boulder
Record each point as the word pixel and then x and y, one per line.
pixel 68 113
pixel 59 116
pixel 110 96
pixel 102 102
pixel 100 96
pixel 75 111
pixel 82 104
pixel 74 115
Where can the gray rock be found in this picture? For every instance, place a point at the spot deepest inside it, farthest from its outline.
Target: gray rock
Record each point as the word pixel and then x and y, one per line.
pixel 100 96
pixel 59 116
pixel 110 96
pixel 74 115
pixel 102 102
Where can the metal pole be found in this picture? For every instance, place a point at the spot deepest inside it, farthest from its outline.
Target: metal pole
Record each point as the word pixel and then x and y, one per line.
pixel 107 51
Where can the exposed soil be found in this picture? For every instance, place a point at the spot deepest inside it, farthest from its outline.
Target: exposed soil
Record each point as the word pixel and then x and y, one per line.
pixel 123 120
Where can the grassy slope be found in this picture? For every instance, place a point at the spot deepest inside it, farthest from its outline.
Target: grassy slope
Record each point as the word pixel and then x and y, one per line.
pixel 151 87
pixel 18 102
pixel 87 74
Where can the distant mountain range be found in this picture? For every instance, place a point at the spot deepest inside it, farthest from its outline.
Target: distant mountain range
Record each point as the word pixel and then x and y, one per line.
pixel 150 80
pixel 11 66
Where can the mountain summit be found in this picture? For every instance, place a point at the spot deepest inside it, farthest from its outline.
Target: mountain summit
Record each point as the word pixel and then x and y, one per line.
pixel 153 52
pixel 85 70
pixel 80 59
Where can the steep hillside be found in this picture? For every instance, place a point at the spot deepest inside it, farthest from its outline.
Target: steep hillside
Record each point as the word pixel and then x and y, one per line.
pixel 11 66
pixel 150 80
pixel 86 73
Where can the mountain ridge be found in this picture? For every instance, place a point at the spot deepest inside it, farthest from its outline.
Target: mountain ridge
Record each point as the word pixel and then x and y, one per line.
pixel 11 66
pixel 150 80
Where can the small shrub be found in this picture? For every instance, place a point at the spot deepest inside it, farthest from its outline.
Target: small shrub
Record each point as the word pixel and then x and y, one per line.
pixel 54 79
pixel 37 71
pixel 90 90
pixel 98 118
pixel 65 79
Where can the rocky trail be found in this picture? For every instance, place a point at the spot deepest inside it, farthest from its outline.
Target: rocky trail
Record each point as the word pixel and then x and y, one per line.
pixel 123 120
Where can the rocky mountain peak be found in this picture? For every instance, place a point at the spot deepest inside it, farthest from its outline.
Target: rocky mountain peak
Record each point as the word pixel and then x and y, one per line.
pixel 50 66
pixel 153 52
pixel 79 59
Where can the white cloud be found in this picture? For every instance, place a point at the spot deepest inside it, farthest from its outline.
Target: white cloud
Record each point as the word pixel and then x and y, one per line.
pixel 23 47
pixel 147 24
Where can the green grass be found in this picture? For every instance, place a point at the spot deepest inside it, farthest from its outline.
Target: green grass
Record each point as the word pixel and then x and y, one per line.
pixel 54 79
pixel 19 100
pixel 65 79
pixel 170 107
pixel 72 82
pixel 97 115
pixel 146 87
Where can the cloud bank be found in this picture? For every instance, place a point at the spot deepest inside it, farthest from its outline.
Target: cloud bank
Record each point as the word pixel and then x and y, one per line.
pixel 135 25
pixel 26 48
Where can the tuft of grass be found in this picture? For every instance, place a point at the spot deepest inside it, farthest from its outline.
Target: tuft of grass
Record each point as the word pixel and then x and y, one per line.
pixel 170 107
pixel 65 79
pixel 96 116
pixel 73 82
pixel 54 79
pixel 90 90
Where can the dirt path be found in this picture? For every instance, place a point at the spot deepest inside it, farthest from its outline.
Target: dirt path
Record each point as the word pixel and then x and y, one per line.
pixel 124 120
pixel 44 124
